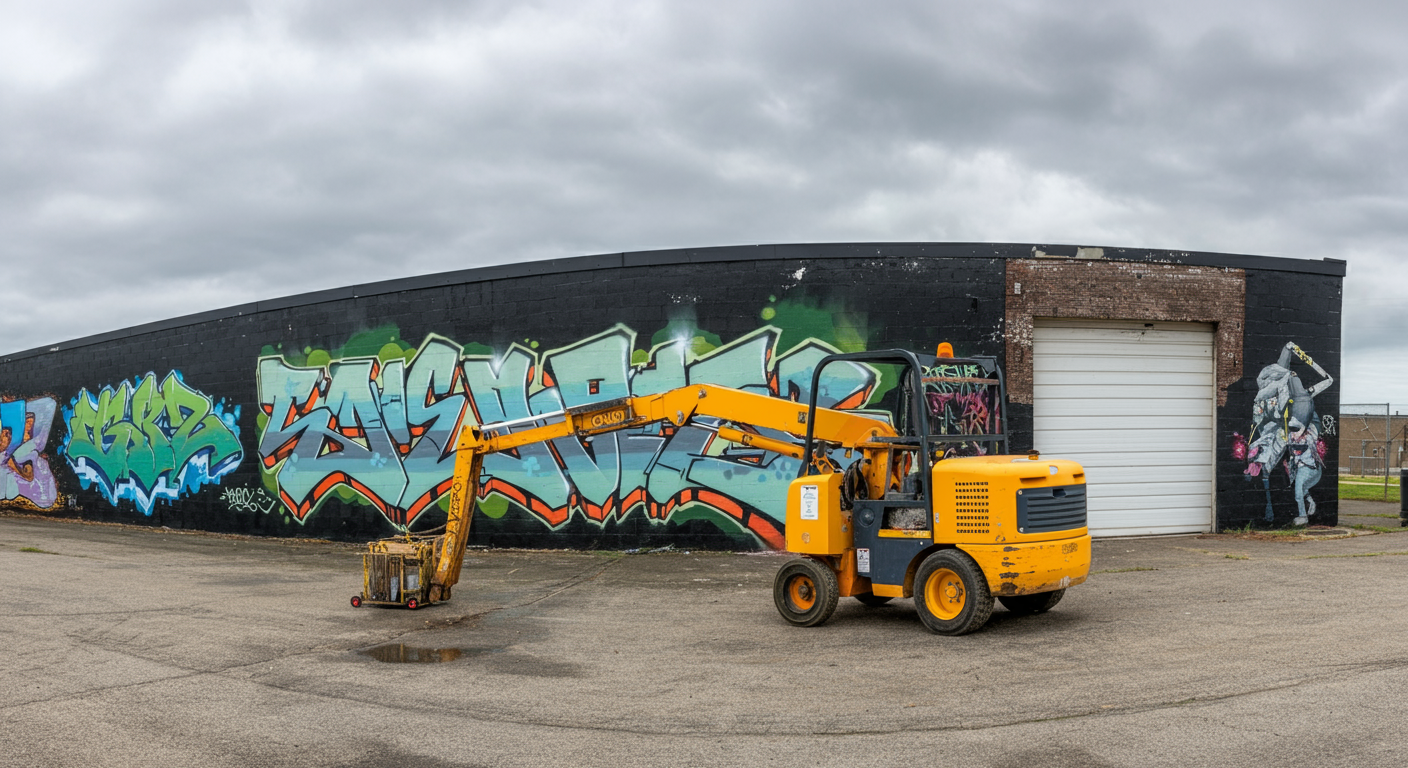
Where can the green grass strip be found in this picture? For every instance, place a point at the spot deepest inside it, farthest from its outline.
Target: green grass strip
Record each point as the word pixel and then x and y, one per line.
pixel 1369 492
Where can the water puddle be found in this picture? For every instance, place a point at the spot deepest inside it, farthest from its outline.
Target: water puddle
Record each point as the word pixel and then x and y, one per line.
pixel 401 653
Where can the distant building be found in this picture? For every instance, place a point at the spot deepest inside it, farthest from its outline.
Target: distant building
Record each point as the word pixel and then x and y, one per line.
pixel 1363 444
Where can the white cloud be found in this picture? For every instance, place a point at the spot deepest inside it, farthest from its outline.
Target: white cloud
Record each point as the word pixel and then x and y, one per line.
pixel 989 196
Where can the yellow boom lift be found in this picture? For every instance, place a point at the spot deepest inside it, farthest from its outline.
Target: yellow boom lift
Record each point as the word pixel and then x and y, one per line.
pixel 924 506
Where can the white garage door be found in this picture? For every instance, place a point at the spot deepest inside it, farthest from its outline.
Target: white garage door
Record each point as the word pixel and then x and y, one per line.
pixel 1133 402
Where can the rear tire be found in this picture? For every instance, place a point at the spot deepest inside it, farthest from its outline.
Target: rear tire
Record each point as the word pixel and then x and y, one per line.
pixel 356 601
pixel 805 592
pixel 1027 604
pixel 413 604
pixel 872 600
pixel 951 593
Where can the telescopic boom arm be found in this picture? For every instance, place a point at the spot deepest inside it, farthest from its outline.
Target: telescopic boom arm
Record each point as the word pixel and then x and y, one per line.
pixel 677 407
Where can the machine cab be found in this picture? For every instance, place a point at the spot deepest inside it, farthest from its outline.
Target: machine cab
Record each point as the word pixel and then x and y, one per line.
pixel 883 498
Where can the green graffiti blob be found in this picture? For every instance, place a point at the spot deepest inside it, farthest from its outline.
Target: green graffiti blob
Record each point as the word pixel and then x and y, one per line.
pixel 804 317
pixel 152 441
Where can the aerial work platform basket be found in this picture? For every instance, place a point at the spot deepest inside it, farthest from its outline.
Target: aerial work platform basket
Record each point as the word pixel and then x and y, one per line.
pixel 398 571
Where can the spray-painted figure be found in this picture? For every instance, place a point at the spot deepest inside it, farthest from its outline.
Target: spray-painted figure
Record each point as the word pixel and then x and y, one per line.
pixel 1286 426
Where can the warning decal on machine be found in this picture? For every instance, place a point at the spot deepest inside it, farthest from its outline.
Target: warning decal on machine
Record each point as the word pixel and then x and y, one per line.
pixel 809 502
pixel 863 560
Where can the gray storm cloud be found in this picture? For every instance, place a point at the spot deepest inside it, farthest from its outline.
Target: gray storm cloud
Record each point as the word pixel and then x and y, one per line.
pixel 162 158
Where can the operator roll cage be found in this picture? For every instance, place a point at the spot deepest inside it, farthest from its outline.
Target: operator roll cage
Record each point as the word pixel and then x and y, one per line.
pixel 912 389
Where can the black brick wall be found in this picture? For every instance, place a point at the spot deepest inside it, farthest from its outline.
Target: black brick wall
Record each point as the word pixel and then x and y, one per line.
pixel 908 296
pixel 1281 307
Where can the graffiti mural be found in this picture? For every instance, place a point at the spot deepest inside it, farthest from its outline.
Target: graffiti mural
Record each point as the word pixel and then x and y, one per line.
pixel 25 476
pixel 962 400
pixel 150 439
pixel 382 426
pixel 1286 430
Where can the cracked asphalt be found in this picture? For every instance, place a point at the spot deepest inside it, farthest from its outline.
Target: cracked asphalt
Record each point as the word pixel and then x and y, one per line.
pixel 139 647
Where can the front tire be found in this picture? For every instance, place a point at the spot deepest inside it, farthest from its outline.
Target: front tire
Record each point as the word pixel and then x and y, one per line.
pixel 951 593
pixel 806 592
pixel 1027 604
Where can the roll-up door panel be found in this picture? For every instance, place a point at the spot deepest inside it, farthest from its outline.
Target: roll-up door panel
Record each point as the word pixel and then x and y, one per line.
pixel 1133 402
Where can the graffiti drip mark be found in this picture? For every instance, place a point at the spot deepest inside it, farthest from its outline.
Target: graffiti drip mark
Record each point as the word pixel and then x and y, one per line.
pixel 24 471
pixel 388 431
pixel 145 440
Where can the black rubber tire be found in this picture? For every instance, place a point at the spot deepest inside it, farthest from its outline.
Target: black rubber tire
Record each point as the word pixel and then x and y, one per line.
pixel 356 601
pixel 413 604
pixel 1041 602
pixel 976 598
pixel 872 600
pixel 809 577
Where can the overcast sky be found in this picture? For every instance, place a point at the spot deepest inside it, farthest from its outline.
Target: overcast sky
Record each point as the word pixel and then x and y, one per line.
pixel 163 158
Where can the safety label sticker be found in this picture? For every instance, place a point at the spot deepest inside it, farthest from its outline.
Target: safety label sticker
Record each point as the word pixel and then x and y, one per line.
pixel 863 560
pixel 809 502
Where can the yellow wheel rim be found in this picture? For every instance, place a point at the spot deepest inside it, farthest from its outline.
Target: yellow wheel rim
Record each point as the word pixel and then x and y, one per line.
pixel 944 594
pixel 801 591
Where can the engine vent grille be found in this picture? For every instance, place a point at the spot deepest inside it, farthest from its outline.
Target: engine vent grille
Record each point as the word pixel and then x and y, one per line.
pixel 970 501
pixel 1054 508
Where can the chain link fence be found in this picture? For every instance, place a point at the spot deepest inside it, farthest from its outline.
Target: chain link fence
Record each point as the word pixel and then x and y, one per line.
pixel 1373 438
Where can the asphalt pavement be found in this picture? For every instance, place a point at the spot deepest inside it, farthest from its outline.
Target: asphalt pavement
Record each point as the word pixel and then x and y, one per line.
pixel 139 647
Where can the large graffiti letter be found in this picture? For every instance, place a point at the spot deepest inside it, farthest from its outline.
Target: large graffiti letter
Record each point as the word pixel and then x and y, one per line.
pixel 24 432
pixel 529 476
pixel 325 429
pixel 435 405
pixel 591 372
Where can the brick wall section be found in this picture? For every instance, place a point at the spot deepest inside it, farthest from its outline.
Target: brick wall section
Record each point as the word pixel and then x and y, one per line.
pixel 1113 290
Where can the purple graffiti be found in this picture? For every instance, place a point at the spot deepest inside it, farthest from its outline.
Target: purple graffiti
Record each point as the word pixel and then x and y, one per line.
pixel 967 411
pixel 24 470
pixel 961 402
